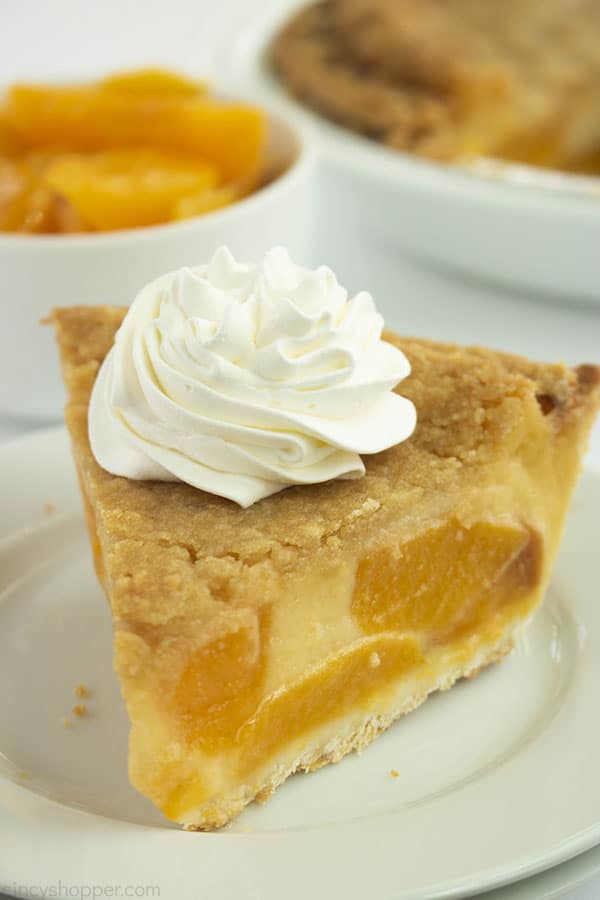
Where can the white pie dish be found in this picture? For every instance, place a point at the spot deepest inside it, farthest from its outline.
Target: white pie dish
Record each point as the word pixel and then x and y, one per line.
pixel 527 228
pixel 43 271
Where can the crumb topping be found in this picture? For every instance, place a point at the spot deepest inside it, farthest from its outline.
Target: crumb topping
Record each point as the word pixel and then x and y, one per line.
pixel 208 555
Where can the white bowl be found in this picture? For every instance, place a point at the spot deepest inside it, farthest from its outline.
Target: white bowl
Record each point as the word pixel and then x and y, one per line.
pixel 40 272
pixel 527 228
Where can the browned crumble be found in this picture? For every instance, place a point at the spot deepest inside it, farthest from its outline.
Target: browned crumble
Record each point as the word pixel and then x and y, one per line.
pixel 426 76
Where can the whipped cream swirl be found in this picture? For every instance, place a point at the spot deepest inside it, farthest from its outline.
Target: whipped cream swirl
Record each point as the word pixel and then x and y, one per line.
pixel 244 379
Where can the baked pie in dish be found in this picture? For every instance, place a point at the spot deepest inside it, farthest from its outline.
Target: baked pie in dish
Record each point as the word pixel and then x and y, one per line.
pixel 453 79
pixel 252 643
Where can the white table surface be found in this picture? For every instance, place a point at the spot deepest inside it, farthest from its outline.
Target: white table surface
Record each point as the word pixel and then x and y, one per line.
pixel 69 37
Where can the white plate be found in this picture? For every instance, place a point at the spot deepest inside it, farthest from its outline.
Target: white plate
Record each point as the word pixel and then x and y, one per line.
pixel 515 225
pixel 497 779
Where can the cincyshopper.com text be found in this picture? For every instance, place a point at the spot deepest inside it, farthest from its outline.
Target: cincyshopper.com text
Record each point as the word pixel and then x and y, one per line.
pixel 62 891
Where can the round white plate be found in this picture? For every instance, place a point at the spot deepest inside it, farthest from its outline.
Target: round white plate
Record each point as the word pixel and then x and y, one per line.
pixel 497 778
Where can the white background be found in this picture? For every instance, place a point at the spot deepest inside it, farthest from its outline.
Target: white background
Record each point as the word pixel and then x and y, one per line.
pixel 49 39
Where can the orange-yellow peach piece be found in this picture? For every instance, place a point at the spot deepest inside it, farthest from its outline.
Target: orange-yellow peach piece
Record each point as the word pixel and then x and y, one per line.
pixel 126 188
pixel 228 135
pixel 206 201
pixel 152 82
pixel 25 205
pixel 440 581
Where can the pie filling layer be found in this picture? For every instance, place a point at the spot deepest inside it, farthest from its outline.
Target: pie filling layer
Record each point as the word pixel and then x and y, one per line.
pixel 411 613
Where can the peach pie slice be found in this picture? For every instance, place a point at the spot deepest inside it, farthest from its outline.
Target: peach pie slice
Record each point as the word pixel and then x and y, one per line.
pixel 254 643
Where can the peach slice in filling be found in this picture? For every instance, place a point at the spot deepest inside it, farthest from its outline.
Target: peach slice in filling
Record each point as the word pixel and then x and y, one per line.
pixel 442 582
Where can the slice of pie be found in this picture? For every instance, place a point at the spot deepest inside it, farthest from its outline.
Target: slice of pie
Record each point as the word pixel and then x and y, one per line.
pixel 451 78
pixel 254 643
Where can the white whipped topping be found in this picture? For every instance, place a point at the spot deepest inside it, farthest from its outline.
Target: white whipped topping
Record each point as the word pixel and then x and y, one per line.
pixel 244 379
